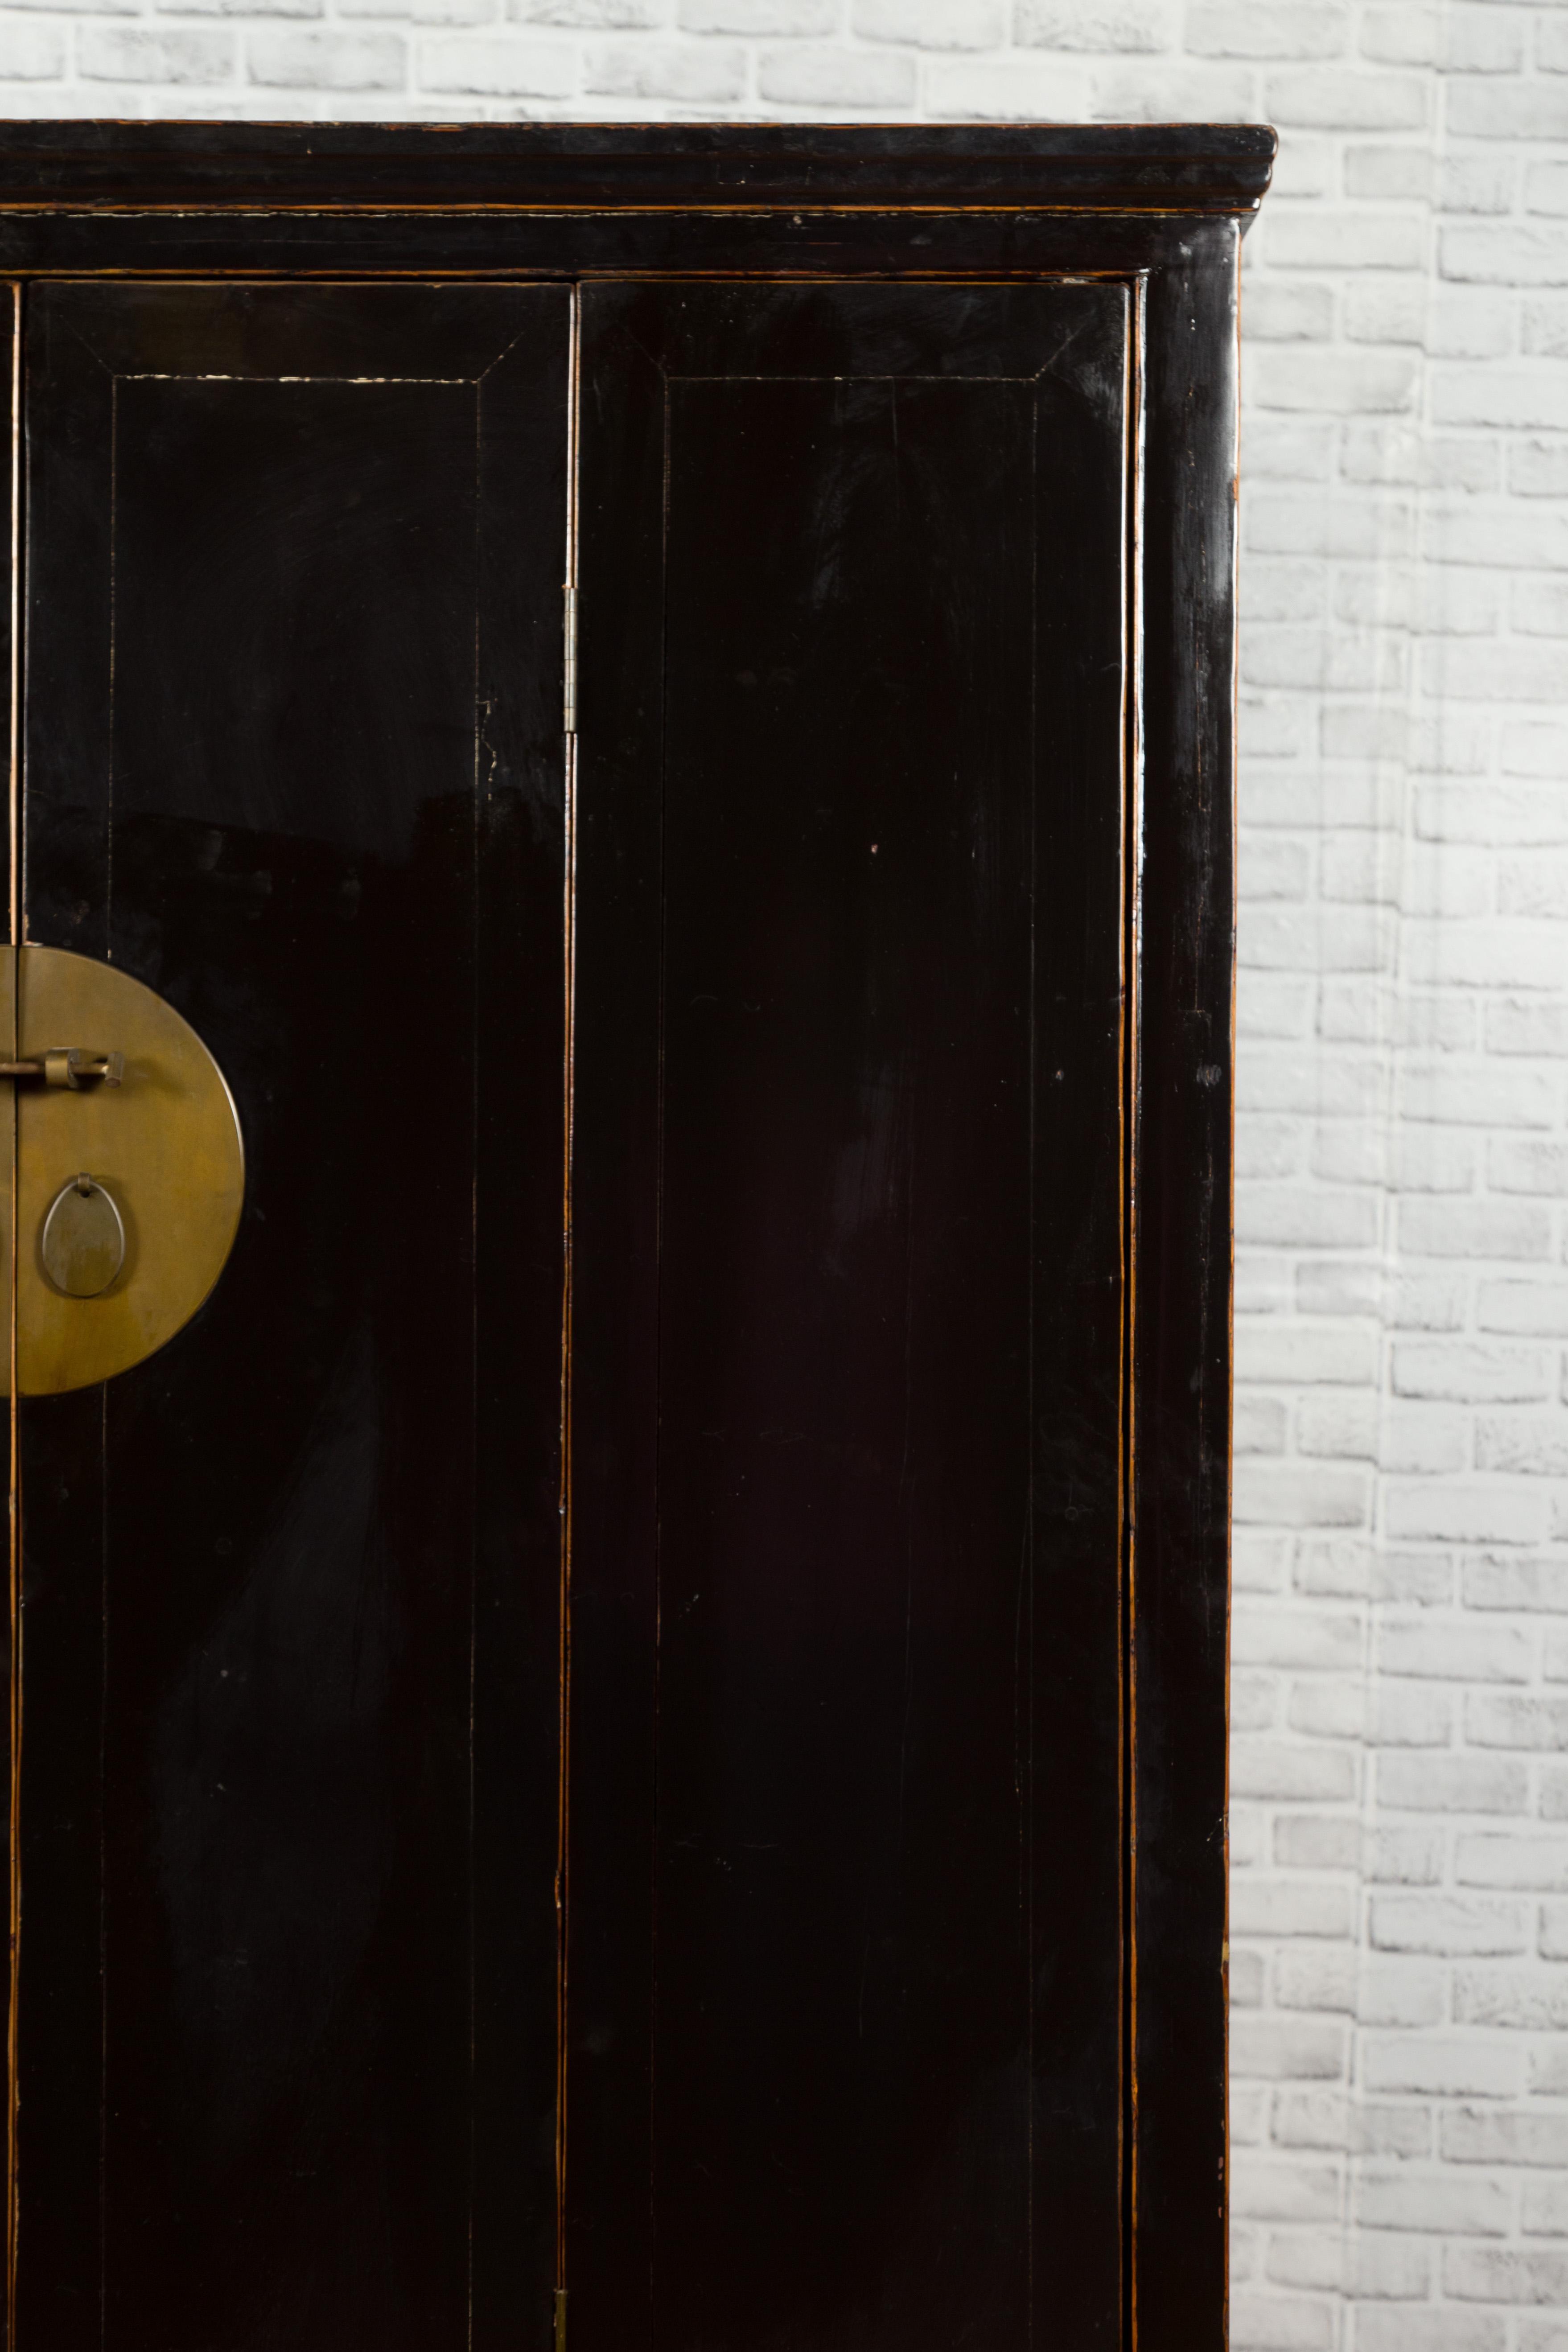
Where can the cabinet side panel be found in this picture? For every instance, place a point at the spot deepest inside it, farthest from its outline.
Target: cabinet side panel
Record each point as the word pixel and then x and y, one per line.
pixel 1182 1293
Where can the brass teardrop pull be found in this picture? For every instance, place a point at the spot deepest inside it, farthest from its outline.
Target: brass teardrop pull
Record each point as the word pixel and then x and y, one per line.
pixel 83 1243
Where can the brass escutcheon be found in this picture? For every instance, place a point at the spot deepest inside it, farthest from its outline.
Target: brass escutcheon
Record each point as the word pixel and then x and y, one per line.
pixel 130 1168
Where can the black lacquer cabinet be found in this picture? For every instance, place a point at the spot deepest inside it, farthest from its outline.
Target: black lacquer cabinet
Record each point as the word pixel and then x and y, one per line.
pixel 623 1740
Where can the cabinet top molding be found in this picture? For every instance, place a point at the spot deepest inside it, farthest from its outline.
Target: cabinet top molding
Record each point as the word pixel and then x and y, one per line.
pixel 73 166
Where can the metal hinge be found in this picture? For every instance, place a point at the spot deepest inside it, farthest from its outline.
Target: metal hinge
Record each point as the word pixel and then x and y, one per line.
pixel 569 667
pixel 559 2319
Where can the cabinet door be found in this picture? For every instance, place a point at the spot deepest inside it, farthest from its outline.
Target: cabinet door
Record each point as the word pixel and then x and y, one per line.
pixel 847 1849
pixel 288 1770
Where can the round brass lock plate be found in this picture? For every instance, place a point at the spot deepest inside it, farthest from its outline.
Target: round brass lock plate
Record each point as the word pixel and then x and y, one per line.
pixel 83 1243
pixel 159 1144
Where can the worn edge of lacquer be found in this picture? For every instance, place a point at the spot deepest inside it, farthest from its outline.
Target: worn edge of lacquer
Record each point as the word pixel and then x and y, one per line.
pixel 13 1484
pixel 65 165
pixel 569 984
pixel 1132 873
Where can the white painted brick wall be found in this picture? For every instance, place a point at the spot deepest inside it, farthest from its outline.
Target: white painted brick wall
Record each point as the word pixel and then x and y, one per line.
pixel 1400 1837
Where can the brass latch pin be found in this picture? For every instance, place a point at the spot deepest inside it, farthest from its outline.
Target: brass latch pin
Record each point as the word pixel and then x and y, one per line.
pixel 69 1065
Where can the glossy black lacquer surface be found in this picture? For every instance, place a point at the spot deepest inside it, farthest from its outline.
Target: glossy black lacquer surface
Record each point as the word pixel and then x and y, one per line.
pixel 1196 167
pixel 845 2059
pixel 288 1789
pixel 895 2002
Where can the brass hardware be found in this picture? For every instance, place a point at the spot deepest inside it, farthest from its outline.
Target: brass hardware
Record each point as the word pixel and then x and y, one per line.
pixel 69 1065
pixel 105 1275
pixel 83 1242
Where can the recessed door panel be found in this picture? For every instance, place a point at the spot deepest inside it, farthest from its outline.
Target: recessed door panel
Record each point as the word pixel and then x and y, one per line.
pixel 846 1999
pixel 289 1779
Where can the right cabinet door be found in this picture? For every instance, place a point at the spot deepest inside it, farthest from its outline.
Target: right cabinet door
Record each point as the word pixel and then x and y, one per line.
pixel 849 1850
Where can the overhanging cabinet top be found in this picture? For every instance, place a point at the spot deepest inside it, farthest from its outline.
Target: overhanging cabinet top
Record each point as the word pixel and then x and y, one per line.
pixel 569 197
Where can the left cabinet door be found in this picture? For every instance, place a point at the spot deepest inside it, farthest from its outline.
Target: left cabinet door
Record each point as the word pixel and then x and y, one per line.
pixel 286 1984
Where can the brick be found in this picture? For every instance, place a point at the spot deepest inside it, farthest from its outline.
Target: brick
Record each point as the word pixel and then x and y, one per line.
pixel 1543 2209
pixel 932 24
pixel 1328 2119
pixel 1445 1511
pixel 1516 814
pixel 1288 2048
pixel 1525 1584
pixel 1476 182
pixel 1510 672
pixel 1300 1354
pixel 1298 1637
pixel 1281 2192
pixel 497 68
pixel 1265 28
pixel 1505 2275
pixel 1403 34
pixel 1304 1218
pixel 32 52
pixel 1538 606
pixel 624 16
pixel 1478 1096
pixel 1324 1979
pixel 1443 2066
pixel 1340 383
pixel 112 53
pixel 1405 1856
pixel 1290 1908
pixel 1379 174
pixel 1279 2324
pixel 1018 89
pixel 1524 1306
pixel 1247 1979
pixel 1392 1990
pixel 1533 886
pixel 1287 314
pixel 1130 26
pixel 753 17
pixel 1430 2197
pixel 1472 1229
pixel 326 60
pixel 1342 98
pixel 1328 1706
pixel 1503 256
pixel 828 77
pixel 1523 109
pixel 684 71
pixel 1270 1005
pixel 1338 1426
pixel 1452 1651
pixel 1538 1447
pixel 1275 1494
pixel 1316 1841
pixel 1527 1025
pixel 1511 1858
pixel 1412 1716
pixel 1287 522
pixel 1503 2137
pixel 1258 1425
pixel 1469 1372
pixel 1403 2330
pixel 1452 1784
pixel 1300 1773
pixel 1528 2000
